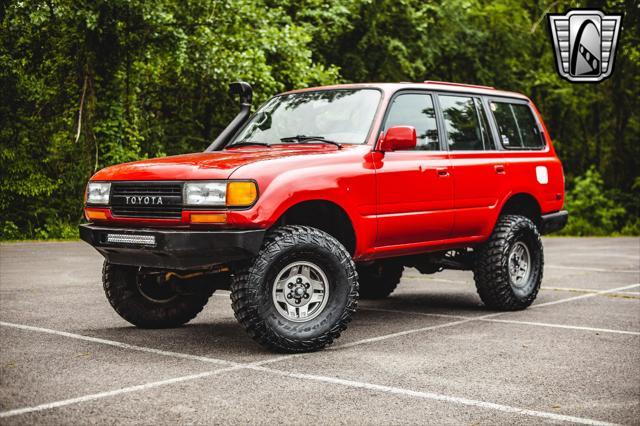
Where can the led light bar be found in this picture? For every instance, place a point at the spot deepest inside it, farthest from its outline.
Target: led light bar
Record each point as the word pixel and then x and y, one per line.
pixel 146 240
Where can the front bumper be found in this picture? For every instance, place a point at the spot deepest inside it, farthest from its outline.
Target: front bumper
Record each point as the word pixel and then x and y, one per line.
pixel 172 249
pixel 554 221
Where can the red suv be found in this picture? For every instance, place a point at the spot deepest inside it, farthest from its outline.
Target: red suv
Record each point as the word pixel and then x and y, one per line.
pixel 324 195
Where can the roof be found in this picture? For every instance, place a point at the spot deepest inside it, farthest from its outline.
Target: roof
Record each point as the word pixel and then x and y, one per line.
pixel 429 85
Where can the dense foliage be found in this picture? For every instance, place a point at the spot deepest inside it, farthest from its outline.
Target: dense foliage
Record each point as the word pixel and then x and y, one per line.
pixel 86 84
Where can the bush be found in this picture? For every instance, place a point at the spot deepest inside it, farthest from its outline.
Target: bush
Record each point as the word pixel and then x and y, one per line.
pixel 10 231
pixel 57 230
pixel 595 211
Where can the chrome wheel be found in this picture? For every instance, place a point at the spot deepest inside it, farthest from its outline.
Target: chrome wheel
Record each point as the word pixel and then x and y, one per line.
pixel 300 291
pixel 519 263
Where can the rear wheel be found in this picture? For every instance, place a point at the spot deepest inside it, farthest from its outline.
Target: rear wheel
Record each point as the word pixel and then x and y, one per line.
pixel 508 267
pixel 298 293
pixel 379 279
pixel 146 301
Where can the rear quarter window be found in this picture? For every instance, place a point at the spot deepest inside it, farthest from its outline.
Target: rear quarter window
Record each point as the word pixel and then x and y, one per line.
pixel 517 127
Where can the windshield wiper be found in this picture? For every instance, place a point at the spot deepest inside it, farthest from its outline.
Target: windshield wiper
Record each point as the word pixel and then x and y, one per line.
pixel 247 143
pixel 307 139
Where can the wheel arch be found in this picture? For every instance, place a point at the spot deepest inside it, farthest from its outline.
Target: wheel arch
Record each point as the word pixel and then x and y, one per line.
pixel 523 204
pixel 325 215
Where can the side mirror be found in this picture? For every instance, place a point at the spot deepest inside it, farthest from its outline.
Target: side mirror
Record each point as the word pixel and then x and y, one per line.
pixel 399 138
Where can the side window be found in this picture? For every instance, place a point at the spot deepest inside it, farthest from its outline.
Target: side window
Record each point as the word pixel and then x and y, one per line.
pixel 466 123
pixel 414 109
pixel 517 126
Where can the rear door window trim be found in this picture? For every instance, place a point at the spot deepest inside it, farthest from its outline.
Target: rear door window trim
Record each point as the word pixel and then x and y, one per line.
pixel 516 101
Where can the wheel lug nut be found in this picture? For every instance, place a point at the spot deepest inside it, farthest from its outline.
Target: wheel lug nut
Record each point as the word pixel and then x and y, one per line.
pixel 307 285
pixel 290 285
pixel 299 280
pixel 306 295
pixel 289 296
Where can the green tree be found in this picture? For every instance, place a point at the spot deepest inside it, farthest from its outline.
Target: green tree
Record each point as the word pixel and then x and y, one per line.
pixel 86 84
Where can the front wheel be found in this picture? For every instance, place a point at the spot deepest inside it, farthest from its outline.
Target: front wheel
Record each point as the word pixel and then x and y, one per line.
pixel 508 267
pixel 147 301
pixel 298 293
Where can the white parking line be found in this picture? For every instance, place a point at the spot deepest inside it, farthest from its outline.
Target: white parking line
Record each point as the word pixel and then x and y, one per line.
pixel 584 268
pixel 463 321
pixel 435 397
pixel 403 333
pixel 532 323
pixel 259 366
pixel 323 379
pixel 569 327
pixel 85 398
pixel 119 344
pixel 584 296
pixel 591 290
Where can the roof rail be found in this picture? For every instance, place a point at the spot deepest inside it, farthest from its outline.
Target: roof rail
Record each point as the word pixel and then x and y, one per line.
pixel 446 83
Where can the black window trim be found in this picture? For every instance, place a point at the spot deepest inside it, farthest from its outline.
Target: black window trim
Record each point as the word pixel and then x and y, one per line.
pixel 485 104
pixel 439 124
pixel 508 100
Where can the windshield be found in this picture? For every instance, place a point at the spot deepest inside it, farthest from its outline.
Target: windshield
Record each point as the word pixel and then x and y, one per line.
pixel 343 116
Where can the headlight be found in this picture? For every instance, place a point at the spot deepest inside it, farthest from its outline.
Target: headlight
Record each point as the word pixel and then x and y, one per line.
pixel 231 194
pixel 205 193
pixel 98 193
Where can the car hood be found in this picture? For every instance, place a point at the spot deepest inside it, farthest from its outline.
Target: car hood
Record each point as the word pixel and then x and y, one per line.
pixel 205 165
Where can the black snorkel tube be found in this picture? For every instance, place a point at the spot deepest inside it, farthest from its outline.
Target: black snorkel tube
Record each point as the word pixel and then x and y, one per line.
pixel 244 90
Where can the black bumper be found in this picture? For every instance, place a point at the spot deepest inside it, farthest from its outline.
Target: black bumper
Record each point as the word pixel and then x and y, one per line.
pixel 554 221
pixel 172 249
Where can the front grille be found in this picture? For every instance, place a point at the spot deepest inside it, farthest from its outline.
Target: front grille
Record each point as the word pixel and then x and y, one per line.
pixel 153 200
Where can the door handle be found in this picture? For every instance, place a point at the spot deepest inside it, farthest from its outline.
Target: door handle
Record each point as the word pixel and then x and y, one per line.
pixel 499 168
pixel 443 171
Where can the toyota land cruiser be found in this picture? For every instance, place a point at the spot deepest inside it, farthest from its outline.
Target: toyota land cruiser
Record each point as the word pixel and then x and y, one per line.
pixel 324 195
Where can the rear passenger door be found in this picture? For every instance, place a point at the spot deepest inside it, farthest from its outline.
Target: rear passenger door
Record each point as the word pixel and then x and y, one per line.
pixel 414 187
pixel 531 166
pixel 477 164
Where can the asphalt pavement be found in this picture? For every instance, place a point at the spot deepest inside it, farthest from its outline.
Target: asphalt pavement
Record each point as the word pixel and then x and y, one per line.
pixel 429 354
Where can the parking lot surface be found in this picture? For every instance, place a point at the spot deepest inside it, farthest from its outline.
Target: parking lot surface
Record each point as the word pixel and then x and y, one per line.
pixel 429 354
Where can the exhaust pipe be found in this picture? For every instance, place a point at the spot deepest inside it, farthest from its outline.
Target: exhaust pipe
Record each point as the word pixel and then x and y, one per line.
pixel 244 90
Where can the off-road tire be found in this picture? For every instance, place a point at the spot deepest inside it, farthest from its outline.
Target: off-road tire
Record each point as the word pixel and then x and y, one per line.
pixel 491 272
pixel 379 279
pixel 120 286
pixel 252 285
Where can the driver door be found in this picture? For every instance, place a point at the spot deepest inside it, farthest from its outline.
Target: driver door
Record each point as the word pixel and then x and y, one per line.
pixel 414 187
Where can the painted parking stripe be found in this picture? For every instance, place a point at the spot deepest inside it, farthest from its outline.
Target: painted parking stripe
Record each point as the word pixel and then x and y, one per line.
pixel 583 290
pixel 569 327
pixel 621 294
pixel 260 364
pixel 120 344
pixel 463 321
pixel 324 379
pixel 402 333
pixel 584 268
pixel 85 398
pixel 584 296
pixel 532 323
pixel 434 396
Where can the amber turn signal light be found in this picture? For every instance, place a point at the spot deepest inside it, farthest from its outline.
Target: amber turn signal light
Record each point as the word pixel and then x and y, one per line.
pixel 95 214
pixel 241 194
pixel 208 218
